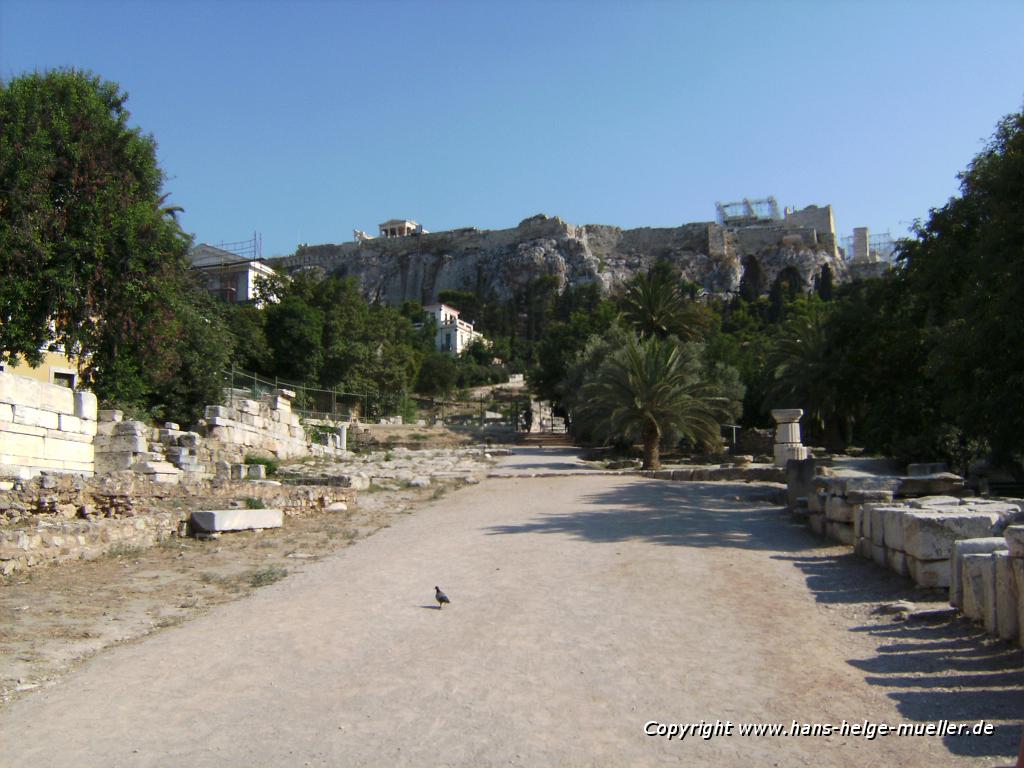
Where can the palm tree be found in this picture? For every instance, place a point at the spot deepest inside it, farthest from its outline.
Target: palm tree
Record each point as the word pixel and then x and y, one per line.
pixel 655 306
pixel 645 389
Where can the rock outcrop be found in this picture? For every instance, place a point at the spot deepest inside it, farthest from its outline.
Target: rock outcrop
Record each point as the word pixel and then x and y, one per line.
pixel 501 262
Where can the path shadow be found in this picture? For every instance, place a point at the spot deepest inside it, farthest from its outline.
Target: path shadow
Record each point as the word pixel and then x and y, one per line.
pixel 732 515
pixel 951 670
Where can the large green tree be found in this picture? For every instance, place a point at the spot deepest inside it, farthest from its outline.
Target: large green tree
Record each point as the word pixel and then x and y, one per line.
pixel 646 389
pixel 93 260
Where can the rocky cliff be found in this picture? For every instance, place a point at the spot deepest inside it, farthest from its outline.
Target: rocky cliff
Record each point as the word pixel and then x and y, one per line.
pixel 502 261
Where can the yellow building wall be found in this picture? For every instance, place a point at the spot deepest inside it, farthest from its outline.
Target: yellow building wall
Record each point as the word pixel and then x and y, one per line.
pixel 53 363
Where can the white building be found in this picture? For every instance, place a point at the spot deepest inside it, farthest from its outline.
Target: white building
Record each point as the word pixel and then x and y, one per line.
pixel 400 228
pixel 453 335
pixel 227 275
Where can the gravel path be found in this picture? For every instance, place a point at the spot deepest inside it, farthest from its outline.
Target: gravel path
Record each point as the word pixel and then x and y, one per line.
pixel 582 608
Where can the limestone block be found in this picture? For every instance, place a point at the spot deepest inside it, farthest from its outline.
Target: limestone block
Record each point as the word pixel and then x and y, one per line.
pixel 222 469
pixel 239 471
pixel 897 561
pixel 72 437
pixel 929 573
pixel 219 421
pixel 1017 571
pixel 6 412
pixel 256 472
pixel 979 587
pixel 879 554
pixel 867 485
pixel 86 405
pixel 892 526
pixel 110 415
pixel 57 399
pixel 838 510
pixel 1015 540
pixel 1007 598
pixel 189 440
pixel 929 535
pixel 287 394
pixel 22 429
pixel 36 417
pixel 680 474
pixel 419 482
pixel 917 470
pixel 877 523
pixel 962 548
pixel 113 461
pixel 137 428
pixel 149 467
pixel 237 519
pixel 875 496
pixel 816 521
pixel 89 427
pixel 861 522
pixel 841 532
pixel 937 502
pixel 816 501
pixel 22 446
pixel 941 483
pixel 122 443
pixel 251 407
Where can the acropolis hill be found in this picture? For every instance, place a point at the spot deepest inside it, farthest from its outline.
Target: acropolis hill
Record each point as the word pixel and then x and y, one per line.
pixel 801 246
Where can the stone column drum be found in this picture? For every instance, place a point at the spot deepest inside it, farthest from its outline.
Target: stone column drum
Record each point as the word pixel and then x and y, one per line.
pixel 787 436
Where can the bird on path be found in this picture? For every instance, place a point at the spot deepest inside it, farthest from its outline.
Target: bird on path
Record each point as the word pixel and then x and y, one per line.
pixel 441 598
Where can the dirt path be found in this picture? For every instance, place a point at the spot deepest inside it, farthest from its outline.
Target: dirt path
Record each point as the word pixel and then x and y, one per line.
pixel 582 608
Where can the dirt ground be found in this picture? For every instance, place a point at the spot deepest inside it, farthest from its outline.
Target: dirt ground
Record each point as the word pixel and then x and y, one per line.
pixel 53 618
pixel 585 610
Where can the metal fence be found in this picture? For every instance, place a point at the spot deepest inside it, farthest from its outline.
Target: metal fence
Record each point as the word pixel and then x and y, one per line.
pixel 337 404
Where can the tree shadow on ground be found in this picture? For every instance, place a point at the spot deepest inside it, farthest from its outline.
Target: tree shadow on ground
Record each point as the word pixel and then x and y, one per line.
pixel 733 515
pixel 951 670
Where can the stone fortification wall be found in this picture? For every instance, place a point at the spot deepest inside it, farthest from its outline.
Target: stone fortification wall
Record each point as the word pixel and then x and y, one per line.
pixel 53 518
pixel 44 427
pixel 418 267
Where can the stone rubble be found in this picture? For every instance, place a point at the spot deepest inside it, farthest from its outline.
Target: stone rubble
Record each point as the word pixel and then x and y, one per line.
pixel 396 467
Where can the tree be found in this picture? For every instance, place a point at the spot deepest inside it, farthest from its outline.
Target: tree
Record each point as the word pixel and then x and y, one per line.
pixel 93 259
pixel 437 375
pixel 964 274
pixel 655 305
pixel 802 371
pixel 645 389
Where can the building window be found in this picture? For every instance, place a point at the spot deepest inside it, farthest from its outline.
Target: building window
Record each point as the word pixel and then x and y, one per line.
pixel 63 379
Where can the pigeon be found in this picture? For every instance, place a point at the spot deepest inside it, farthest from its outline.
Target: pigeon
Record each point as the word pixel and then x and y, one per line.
pixel 441 598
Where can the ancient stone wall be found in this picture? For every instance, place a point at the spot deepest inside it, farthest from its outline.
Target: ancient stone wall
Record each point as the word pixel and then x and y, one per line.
pixel 266 428
pixel 502 262
pixel 53 518
pixel 44 427
pixel 922 526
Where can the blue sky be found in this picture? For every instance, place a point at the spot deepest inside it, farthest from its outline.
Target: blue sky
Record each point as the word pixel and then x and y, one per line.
pixel 305 120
